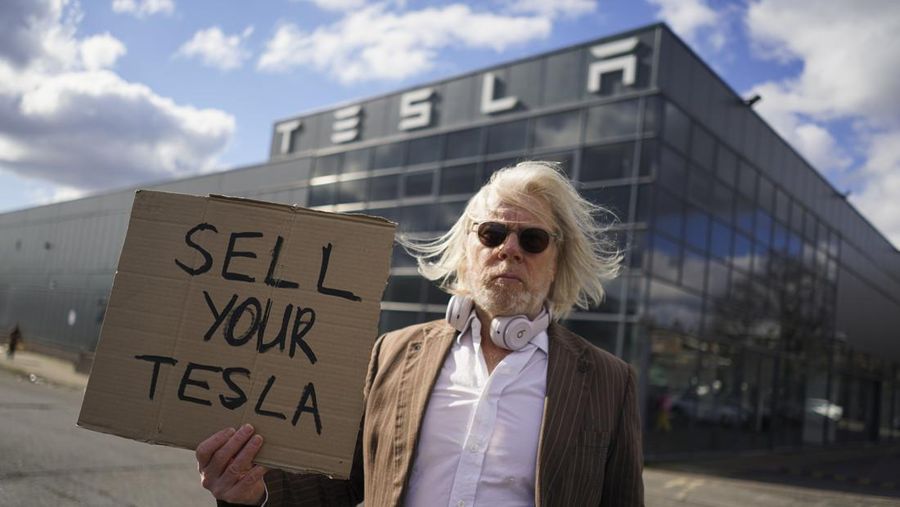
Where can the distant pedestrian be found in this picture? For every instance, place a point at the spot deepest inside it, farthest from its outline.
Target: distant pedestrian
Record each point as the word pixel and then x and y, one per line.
pixel 14 338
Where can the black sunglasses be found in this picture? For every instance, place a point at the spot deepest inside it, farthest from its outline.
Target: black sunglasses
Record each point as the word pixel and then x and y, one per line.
pixel 533 240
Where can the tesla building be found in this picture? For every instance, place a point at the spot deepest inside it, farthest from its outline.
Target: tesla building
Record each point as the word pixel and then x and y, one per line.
pixel 759 308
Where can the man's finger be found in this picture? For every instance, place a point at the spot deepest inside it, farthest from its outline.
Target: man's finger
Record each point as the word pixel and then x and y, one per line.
pixel 208 447
pixel 223 456
pixel 250 489
pixel 243 462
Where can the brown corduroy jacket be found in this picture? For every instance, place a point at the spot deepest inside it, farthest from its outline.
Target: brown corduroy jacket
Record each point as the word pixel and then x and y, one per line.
pixel 590 448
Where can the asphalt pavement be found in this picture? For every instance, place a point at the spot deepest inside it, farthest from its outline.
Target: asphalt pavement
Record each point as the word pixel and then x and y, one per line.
pixel 48 461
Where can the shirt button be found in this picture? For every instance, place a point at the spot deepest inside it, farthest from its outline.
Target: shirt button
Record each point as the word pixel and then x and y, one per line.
pixel 473 447
pixel 461 503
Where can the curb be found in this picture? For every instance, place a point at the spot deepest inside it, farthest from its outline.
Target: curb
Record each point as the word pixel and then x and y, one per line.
pixel 37 368
pixel 842 478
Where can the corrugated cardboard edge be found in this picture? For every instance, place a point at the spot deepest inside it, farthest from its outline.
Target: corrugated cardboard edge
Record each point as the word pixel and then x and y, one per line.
pixel 271 464
pixel 374 220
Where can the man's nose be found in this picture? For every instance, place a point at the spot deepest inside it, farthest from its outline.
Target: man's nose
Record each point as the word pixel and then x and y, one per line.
pixel 510 248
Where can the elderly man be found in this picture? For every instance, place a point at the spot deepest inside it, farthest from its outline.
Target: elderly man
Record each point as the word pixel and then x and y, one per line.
pixel 498 404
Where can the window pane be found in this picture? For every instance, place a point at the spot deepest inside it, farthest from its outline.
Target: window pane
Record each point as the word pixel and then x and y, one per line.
pixel 436 296
pixel 562 129
pixel 677 127
pixel 693 270
pixel 699 186
pixel 464 143
pixel 328 165
pixel 383 187
pixel 747 181
pixel 722 202
pixel 403 289
pixel 666 258
pixel 614 199
pixel 459 179
pixel 652 111
pixel 612 120
pixel 506 137
pixel 389 155
pixel 352 191
pixel 565 159
pixel 743 214
pixel 492 166
pixel 674 308
pixel 743 252
pixel 782 205
pixel 720 241
pixel 672 171
pixel 763 226
pixel 649 158
pixel 609 162
pixel 418 184
pixel 717 280
pixel 766 194
pixel 446 214
pixel 726 165
pixel 424 150
pixel 642 209
pixel 695 229
pixel 779 237
pixel 702 148
pixel 391 320
pixel 669 214
pixel 416 218
pixel 356 160
pixel 399 257
pixel 321 195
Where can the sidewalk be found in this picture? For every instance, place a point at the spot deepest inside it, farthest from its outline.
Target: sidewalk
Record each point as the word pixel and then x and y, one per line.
pixel 40 367
pixel 858 475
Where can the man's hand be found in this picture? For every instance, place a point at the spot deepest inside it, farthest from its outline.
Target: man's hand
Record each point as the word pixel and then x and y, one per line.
pixel 225 462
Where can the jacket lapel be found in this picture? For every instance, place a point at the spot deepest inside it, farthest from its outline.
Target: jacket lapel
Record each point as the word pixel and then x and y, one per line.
pixel 425 354
pixel 564 391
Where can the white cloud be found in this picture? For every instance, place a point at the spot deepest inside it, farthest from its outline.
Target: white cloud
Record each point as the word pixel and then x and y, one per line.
pixel 694 20
pixel 101 51
pixel 880 199
pixel 848 51
pixel 850 72
pixel 57 193
pixel 216 49
pixel 338 5
pixel 68 120
pixel 373 43
pixel 808 137
pixel 568 8
pixel 142 8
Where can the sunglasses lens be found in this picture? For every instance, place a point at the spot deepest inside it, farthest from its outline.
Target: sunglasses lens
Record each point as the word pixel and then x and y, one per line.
pixel 534 240
pixel 492 234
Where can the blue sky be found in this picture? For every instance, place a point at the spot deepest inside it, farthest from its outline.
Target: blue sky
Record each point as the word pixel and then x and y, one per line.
pixel 102 94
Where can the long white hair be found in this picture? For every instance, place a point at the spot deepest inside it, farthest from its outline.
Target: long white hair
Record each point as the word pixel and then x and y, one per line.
pixel 587 256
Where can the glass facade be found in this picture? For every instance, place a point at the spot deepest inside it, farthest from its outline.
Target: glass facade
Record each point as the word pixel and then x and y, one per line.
pixel 740 305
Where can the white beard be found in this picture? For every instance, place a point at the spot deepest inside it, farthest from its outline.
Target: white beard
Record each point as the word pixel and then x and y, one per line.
pixel 503 301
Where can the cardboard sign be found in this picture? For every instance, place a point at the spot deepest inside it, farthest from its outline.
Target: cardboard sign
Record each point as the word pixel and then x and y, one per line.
pixel 226 311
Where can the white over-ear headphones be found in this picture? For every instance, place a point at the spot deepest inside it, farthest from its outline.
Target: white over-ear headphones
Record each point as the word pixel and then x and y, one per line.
pixel 511 333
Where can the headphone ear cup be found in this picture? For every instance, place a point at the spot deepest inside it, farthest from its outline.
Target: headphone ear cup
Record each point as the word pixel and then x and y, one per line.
pixel 458 311
pixel 511 333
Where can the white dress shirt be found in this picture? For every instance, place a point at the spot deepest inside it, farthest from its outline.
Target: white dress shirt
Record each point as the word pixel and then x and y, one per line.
pixel 479 438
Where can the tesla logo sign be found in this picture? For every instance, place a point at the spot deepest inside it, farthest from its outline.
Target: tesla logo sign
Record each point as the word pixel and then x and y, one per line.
pixel 417 107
